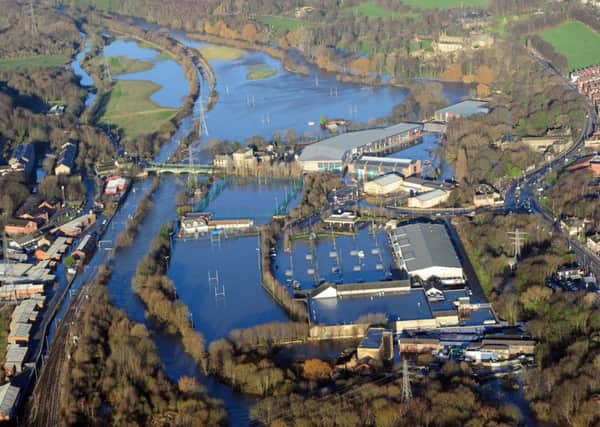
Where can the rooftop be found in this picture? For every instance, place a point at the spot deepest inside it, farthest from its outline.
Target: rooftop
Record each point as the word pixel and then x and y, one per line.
pixel 9 395
pixel 430 195
pixel 336 147
pixel 424 245
pixel 400 306
pixel 465 108
pixel 389 179
pixel 373 338
pixel 392 161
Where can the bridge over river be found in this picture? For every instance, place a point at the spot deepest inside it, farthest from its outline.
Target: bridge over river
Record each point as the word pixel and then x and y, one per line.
pixel 179 168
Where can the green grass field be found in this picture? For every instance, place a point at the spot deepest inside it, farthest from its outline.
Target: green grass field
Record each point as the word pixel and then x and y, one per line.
pixel 122 65
pixel 444 4
pixel 220 53
pixel 260 71
pixel 129 107
pixel 31 62
pixel 579 43
pixel 373 10
pixel 281 26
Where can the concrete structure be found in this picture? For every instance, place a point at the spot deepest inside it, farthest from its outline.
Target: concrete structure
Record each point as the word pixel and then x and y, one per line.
pixel 23 157
pixel 85 248
pixel 331 154
pixel 9 400
pixel 19 334
pixel 15 359
pixel 244 158
pixel 20 226
pixel 491 198
pixel 544 143
pixel 369 167
pixel 195 223
pixel 461 110
pixel 76 226
pixel 55 251
pixel 25 273
pixel 448 44
pixel 593 243
pixel 425 251
pixel 410 344
pixel 65 164
pixel 345 218
pixel 382 186
pixel 377 344
pixel 222 161
pixel 329 290
pixel 429 199
pixel 116 185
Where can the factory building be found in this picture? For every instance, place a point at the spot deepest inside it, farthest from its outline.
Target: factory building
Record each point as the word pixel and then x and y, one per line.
pixel 370 167
pixel 461 110
pixel 429 199
pixel 425 251
pixel 332 154
pixel 384 185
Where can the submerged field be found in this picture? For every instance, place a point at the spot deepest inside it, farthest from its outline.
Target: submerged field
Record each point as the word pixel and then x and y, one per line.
pixel 220 53
pixel 122 65
pixel 576 41
pixel 130 108
pixel 260 71
pixel 31 62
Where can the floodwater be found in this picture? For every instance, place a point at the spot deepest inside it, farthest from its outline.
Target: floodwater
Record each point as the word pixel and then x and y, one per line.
pixel 166 73
pixel 361 257
pixel 85 79
pixel 431 155
pixel 245 108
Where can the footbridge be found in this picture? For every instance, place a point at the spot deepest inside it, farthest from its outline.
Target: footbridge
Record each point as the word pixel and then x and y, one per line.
pixel 179 168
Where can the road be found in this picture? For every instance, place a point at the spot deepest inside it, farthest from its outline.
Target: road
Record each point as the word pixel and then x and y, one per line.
pixel 523 193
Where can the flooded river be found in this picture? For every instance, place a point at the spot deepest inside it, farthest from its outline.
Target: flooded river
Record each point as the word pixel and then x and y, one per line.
pixel 245 108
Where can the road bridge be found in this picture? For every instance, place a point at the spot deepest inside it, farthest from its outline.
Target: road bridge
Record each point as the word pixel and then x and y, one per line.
pixel 179 168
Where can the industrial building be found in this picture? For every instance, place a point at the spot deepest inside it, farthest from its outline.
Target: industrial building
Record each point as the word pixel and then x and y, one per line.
pixel 329 290
pixel 429 199
pixel 461 110
pixel 377 344
pixel 369 167
pixel 384 185
pixel 331 154
pixel 425 251
pixel 9 400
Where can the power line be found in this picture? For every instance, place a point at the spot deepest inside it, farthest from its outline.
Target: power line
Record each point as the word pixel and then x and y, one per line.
pixel 34 31
pixel 406 390
pixel 518 238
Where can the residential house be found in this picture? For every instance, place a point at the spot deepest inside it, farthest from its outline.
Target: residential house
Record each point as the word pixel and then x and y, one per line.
pixel 223 161
pixel 76 226
pixel 9 400
pixel 23 157
pixel 115 185
pixel 20 226
pixel 593 243
pixel 66 160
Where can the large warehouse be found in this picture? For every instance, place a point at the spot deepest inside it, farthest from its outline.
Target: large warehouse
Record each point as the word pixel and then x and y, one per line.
pixel 425 251
pixel 330 154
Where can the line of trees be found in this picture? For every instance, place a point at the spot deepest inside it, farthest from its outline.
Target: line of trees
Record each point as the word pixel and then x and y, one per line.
pixel 125 237
pixel 159 295
pixel 295 309
pixel 114 376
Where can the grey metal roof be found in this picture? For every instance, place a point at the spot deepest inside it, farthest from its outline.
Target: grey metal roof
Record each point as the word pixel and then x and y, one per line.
pixel 9 394
pixel 332 149
pixel 430 195
pixel 465 108
pixel 428 244
pixel 389 179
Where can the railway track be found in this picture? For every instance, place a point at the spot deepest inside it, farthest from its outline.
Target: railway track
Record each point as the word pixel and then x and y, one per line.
pixel 45 400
